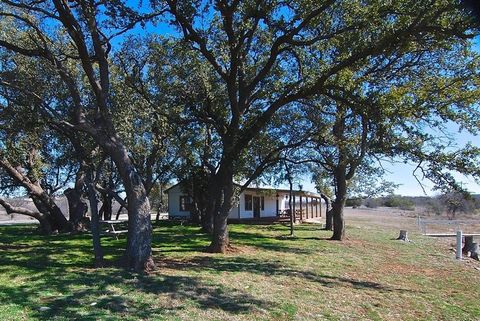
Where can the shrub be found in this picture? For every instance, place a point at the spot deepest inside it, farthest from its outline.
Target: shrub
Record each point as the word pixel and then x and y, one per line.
pixel 372 203
pixel 399 202
pixel 354 202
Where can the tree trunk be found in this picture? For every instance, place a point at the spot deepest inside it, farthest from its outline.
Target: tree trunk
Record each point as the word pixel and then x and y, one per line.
pixel 339 205
pixel 46 205
pixel 474 251
pixel 403 235
pixel 138 253
pixel 107 206
pixel 44 202
pixel 120 210
pixel 328 213
pixel 223 204
pixel 211 207
pixel 207 222
pixel 95 223
pixel 45 226
pixel 338 221
pixel 290 198
pixel 220 242
pixel 195 213
pixel 468 244
pixel 77 208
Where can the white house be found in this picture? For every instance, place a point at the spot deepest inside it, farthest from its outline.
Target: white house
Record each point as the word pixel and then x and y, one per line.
pixel 253 203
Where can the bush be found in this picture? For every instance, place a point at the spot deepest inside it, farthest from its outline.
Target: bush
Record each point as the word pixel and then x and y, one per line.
pixel 399 202
pixel 354 202
pixel 372 203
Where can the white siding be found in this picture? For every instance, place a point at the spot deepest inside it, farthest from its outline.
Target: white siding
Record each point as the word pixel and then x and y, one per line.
pixel 270 205
pixel 174 202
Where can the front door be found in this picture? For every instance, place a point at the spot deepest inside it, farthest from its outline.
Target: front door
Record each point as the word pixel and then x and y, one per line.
pixel 256 206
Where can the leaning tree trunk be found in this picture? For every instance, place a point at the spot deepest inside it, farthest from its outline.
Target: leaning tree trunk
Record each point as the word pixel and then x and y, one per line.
pixel 44 202
pixel 46 205
pixel 328 213
pixel 45 226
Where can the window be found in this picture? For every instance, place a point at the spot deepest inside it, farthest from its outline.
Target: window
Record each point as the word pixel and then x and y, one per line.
pixel 185 203
pixel 262 203
pixel 248 202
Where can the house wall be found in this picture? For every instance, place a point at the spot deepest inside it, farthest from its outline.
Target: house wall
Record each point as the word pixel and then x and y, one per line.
pixel 174 202
pixel 270 205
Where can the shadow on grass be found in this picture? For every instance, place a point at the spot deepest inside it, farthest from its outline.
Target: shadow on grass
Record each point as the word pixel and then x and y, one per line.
pixel 242 264
pixel 54 273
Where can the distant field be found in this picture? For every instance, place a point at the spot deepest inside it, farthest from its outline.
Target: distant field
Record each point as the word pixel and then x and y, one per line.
pixel 370 276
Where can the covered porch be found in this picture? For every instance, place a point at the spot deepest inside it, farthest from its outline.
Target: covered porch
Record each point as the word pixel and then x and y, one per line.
pixel 304 205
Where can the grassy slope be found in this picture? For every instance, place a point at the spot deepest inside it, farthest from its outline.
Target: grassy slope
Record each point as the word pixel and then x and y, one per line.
pixel 369 276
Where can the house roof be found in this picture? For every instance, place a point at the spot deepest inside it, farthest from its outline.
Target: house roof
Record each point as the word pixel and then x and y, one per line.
pixel 266 189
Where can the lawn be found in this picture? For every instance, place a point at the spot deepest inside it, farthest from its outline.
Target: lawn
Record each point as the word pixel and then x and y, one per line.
pixel 370 276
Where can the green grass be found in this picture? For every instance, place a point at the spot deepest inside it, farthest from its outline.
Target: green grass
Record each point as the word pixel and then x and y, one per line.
pixel 268 277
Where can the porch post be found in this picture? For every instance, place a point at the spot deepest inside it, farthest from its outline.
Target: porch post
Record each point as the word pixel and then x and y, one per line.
pixel 311 204
pixel 276 207
pixel 320 204
pixel 301 208
pixel 294 208
pixel 306 207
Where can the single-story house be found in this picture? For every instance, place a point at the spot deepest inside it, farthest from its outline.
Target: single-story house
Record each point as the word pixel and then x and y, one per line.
pixel 253 203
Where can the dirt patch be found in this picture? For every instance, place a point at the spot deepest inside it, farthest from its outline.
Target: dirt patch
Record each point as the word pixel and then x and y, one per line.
pixel 398 268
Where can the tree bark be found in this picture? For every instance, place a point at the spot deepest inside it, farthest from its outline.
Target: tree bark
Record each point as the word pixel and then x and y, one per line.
pixel 339 204
pixel 403 236
pixel 224 179
pixel 46 205
pixel 42 219
pixel 138 252
pixel 107 206
pixel 44 202
pixel 328 213
pixel 474 251
pixel 210 208
pixel 468 244
pixel 290 198
pixel 220 242
pixel 95 223
pixel 77 208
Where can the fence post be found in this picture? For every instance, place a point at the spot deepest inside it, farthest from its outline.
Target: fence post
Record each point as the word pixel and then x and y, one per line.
pixel 459 245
